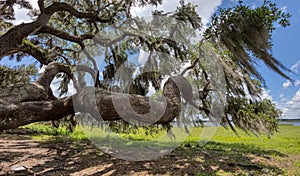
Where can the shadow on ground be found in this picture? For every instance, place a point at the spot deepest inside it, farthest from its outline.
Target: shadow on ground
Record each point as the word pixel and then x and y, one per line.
pixel 62 156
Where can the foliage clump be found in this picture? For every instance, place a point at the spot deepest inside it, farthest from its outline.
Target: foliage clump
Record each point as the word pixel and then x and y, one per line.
pixel 236 39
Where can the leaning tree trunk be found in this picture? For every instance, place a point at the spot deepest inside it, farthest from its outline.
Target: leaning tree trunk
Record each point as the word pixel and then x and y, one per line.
pixel 25 104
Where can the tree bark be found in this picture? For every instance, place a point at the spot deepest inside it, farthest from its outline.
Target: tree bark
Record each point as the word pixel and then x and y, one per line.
pixel 25 104
pixel 102 104
pixel 11 41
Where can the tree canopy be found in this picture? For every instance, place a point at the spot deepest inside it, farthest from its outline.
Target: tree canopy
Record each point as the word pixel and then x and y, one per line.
pixel 74 40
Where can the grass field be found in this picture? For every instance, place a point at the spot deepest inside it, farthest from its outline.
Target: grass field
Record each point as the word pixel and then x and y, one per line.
pixel 287 140
pixel 247 154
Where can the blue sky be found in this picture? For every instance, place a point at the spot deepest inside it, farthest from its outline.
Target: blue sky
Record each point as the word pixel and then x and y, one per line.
pixel 285 95
pixel 286 48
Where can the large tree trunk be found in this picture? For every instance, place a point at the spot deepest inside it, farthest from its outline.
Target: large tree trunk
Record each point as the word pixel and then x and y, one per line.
pixel 25 104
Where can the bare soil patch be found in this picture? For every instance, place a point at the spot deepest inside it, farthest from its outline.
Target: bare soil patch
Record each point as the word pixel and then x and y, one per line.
pixel 21 155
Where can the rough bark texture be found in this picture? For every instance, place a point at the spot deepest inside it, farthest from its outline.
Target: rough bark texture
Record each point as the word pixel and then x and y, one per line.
pixel 114 106
pixel 25 104
pixel 19 32
pixel 18 114
pixel 17 109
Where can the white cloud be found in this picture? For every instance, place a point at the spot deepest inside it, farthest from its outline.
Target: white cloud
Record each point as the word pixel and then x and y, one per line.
pixel 296 98
pixel 290 108
pixel 284 9
pixel 295 67
pixel 281 96
pixel 287 84
pixel 205 8
pixel 21 13
pixel 297 83
pixel 266 94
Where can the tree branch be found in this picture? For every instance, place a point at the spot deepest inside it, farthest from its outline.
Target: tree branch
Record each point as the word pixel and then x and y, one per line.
pixel 23 113
pixel 35 52
pixel 41 5
pixel 64 35
pixel 96 101
pixel 109 42
pixel 61 6
pixel 50 71
pixel 12 39
pixel 87 69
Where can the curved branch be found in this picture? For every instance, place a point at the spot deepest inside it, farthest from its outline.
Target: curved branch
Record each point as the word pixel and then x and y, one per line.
pixel 93 73
pixel 189 67
pixel 89 57
pixel 64 35
pixel 110 105
pixel 50 71
pixel 85 68
pixel 38 54
pixel 107 42
pixel 12 39
pixel 61 6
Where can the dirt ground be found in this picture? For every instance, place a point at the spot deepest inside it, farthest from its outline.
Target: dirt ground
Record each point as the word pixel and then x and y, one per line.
pixel 21 155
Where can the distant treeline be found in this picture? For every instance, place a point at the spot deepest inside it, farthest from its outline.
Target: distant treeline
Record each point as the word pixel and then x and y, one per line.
pixel 289 120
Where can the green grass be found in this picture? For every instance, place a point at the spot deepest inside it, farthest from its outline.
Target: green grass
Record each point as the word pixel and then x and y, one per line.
pixel 287 140
pixel 47 132
pixel 283 146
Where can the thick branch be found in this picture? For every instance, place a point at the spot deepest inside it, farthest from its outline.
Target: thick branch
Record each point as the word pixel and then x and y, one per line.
pixel 41 5
pixel 66 36
pixel 108 42
pixel 11 41
pixel 35 52
pixel 23 113
pixel 50 71
pixel 60 6
pixel 109 105
pixel 84 68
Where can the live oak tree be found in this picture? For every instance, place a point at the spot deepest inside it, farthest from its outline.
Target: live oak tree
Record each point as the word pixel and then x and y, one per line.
pixel 61 31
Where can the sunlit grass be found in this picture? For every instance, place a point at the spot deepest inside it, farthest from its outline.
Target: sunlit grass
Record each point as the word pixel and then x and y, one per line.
pixel 283 146
pixel 287 140
pixel 46 132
